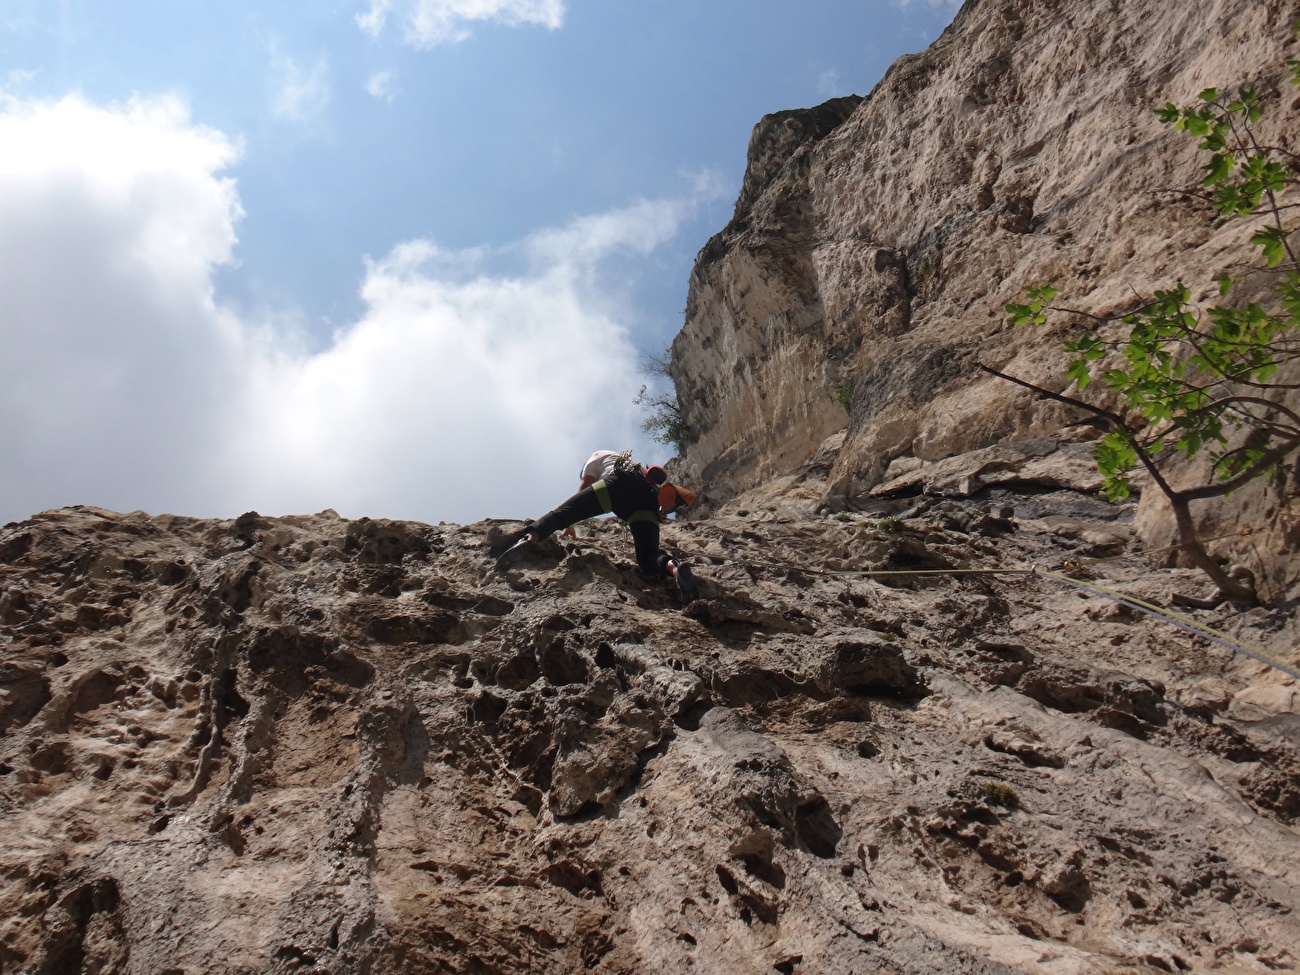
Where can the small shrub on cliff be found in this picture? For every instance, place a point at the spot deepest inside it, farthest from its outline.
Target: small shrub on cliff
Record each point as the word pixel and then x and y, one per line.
pixel 1000 794
pixel 664 421
pixel 1186 379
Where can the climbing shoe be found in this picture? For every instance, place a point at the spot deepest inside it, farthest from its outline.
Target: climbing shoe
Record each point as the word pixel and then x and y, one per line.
pixel 513 554
pixel 686 581
pixel 500 542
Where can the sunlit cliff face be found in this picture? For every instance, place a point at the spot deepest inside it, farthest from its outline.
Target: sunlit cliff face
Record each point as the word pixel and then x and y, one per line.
pixel 875 243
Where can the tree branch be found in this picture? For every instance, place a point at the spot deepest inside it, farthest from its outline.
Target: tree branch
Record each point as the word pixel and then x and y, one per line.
pixel 1269 459
pixel 1114 419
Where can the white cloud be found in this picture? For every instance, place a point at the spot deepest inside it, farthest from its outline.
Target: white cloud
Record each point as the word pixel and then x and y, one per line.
pixel 461 391
pixel 116 361
pixel 372 21
pixel 638 229
pixel 708 185
pixel 428 23
pixel 380 85
pixel 299 94
pixel 451 398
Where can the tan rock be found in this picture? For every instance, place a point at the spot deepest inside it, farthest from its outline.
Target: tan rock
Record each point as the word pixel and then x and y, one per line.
pixel 414 763
pixel 1265 700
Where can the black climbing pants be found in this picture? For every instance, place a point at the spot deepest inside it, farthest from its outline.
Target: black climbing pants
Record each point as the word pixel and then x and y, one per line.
pixel 629 496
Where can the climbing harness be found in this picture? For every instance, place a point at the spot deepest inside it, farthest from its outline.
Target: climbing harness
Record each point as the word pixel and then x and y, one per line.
pixel 607 505
pixel 602 495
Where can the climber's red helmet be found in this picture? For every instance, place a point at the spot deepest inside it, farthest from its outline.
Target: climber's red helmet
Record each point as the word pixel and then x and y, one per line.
pixel 656 475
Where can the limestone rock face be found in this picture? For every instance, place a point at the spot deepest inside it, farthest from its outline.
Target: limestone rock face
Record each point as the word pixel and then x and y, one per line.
pixel 875 243
pixel 316 745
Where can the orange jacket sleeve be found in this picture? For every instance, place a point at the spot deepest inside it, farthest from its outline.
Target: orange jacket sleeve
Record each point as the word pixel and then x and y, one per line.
pixel 670 495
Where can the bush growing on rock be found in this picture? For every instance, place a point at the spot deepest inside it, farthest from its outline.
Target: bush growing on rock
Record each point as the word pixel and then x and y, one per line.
pixel 664 419
pixel 1000 794
pixel 665 422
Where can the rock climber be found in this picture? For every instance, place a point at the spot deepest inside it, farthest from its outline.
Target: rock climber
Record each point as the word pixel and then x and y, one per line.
pixel 603 463
pixel 611 482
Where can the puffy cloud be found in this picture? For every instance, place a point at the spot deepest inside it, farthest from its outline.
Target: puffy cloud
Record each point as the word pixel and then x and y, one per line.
pixel 428 23
pixel 116 359
pixel 463 390
pixel 453 396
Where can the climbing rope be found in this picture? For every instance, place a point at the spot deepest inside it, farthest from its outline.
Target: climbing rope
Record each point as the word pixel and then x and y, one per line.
pixel 1176 619
pixel 1179 620
pixel 875 572
pixel 1243 532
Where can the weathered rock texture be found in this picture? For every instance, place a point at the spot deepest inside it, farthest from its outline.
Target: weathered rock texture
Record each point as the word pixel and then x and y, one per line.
pixel 876 242
pixel 315 745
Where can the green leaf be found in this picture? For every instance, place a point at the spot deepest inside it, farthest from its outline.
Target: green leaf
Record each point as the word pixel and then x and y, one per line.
pixel 1218 168
pixel 1209 95
pixel 1116 379
pixel 1078 372
pixel 1115 457
pixel 1225 285
pixel 1189 444
pixel 1273 243
pixel 1019 314
pixel 1033 312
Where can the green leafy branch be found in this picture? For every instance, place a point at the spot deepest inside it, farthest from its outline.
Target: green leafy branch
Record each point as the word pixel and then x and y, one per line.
pixel 664 422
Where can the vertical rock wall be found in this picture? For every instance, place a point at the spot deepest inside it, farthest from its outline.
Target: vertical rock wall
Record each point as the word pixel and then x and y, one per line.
pixel 876 242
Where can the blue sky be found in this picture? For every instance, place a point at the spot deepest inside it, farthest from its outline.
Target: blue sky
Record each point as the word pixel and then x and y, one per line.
pixel 350 254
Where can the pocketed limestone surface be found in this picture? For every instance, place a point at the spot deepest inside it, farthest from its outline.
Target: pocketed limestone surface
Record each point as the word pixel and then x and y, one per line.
pixel 321 745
